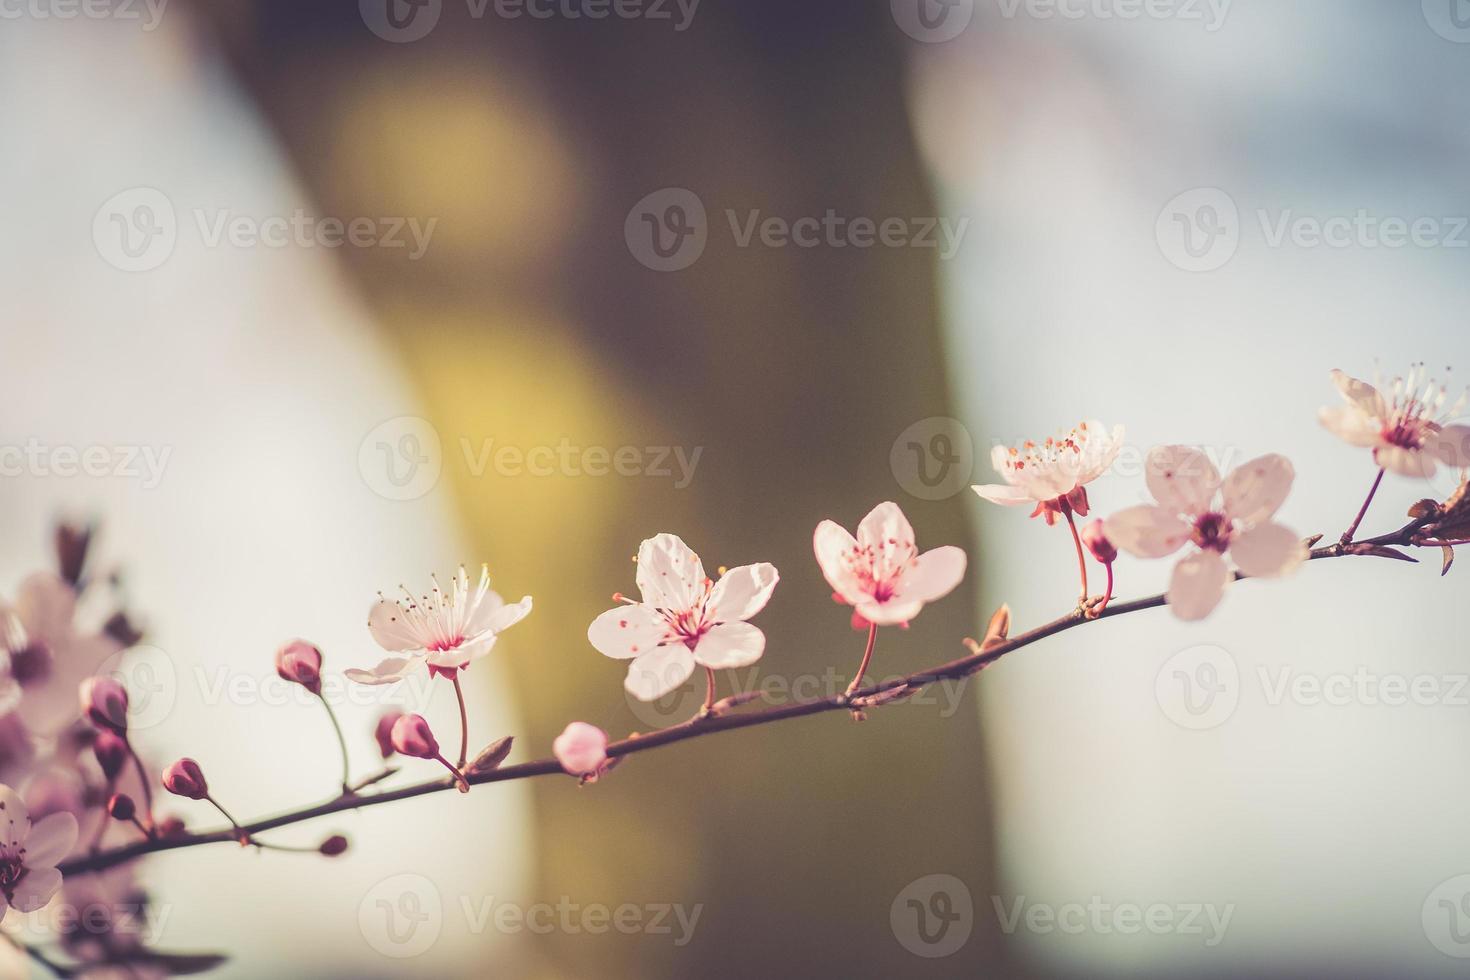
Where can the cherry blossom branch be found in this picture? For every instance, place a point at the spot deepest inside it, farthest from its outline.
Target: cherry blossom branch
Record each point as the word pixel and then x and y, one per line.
pixel 719 720
pixel 1347 536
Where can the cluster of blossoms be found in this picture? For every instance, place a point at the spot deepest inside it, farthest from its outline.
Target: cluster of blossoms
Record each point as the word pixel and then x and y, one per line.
pixel 64 720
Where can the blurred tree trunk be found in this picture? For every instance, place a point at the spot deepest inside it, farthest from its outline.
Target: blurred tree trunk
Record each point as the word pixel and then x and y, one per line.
pixel 528 320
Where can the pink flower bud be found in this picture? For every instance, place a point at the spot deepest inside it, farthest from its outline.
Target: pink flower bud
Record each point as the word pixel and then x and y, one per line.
pixel 170 827
pixel 301 663
pixel 581 748
pixel 412 736
pixel 334 845
pixel 1094 535
pixel 105 703
pixel 121 807
pixel 384 732
pixel 112 754
pixel 185 778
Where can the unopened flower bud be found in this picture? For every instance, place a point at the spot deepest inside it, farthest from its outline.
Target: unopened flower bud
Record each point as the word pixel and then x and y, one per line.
pixel 169 827
pixel 121 807
pixel 334 845
pixel 105 703
pixel 185 778
pixel 72 541
pixel 581 748
pixel 300 663
pixel 1095 536
pixel 384 732
pixel 412 736
pixel 111 752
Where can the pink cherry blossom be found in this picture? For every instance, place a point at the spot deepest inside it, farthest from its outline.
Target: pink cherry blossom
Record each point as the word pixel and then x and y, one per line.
pixel 684 619
pixel 581 748
pixel 443 631
pixel 880 572
pixel 50 655
pixel 1053 474
pixel 29 853
pixel 1231 516
pixel 1406 430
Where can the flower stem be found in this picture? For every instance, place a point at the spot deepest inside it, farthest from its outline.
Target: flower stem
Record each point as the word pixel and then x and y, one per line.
pixel 464 786
pixel 1081 556
pixel 1347 536
pixel 142 778
pixel 1108 595
pixel 241 833
pixel 709 688
pixel 464 722
pixel 867 658
pixel 341 743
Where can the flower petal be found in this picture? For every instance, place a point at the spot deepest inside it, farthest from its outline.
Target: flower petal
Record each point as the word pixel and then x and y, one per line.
pixel 1004 495
pixel 1254 491
pixel 51 840
pixel 885 525
pixel 933 575
pixel 628 631
pixel 891 612
pixel 1360 394
pixel 655 674
pixel 730 645
pixel 1182 479
pixel 46 605
pixel 1198 584
pixel 1349 424
pixel 670 575
pixel 742 592
pixel 503 617
pixel 36 889
pixel 390 629
pixel 1453 446
pixel 1268 551
pixel 389 671
pixel 1146 531
pixel 833 545
pixel 1406 462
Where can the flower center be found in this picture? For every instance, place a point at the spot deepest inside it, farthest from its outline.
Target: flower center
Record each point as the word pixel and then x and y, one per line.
pixel 12 870
pixel 1212 532
pixel 878 568
pixel 31 664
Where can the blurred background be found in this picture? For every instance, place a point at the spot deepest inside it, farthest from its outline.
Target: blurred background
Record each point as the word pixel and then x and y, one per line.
pixel 354 293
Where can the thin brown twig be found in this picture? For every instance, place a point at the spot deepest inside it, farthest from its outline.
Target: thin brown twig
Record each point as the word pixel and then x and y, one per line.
pixel 698 726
